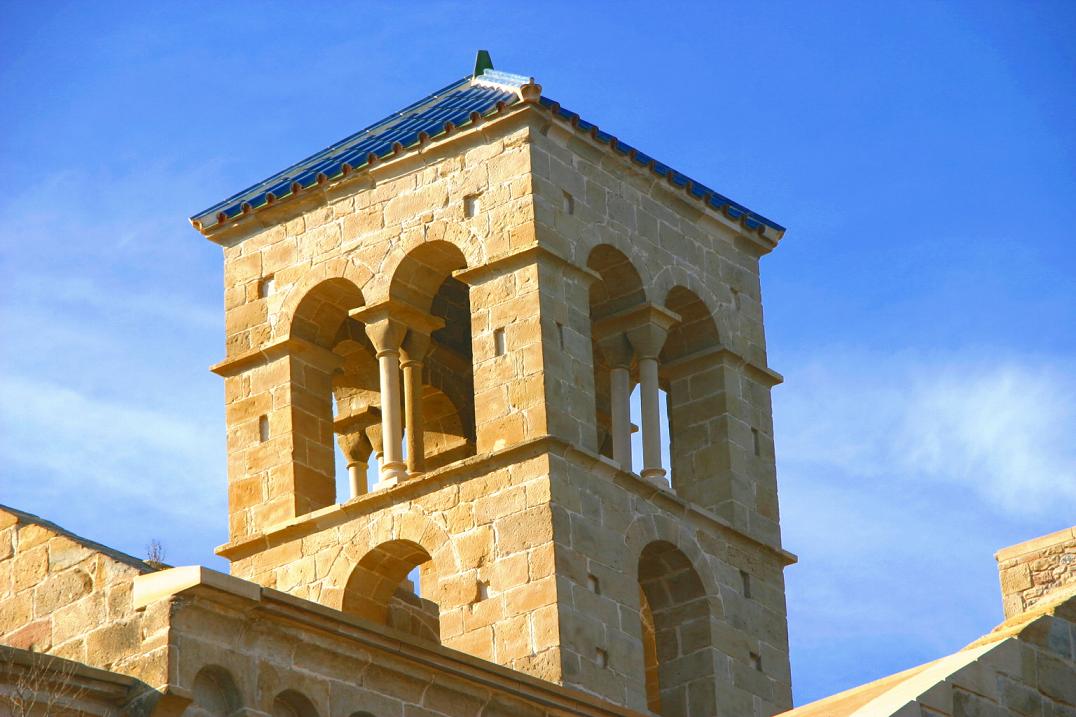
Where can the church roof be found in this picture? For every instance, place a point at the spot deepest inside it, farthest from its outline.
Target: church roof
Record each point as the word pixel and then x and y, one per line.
pixel 462 103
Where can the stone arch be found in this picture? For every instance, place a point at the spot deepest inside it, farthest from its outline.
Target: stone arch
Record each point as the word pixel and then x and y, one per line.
pixel 215 694
pixel 696 331
pixel 414 540
pixel 675 620
pixel 702 391
pixel 675 276
pixel 695 393
pixel 322 311
pixel 618 288
pixel 320 324
pixel 649 529
pixel 423 281
pixel 291 703
pixel 378 590
pixel 338 268
pixel 420 273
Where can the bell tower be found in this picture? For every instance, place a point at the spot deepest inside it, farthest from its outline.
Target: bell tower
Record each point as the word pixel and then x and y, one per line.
pixel 465 295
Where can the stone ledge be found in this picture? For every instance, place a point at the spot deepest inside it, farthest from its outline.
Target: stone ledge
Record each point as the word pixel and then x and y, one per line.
pixel 333 515
pixel 1036 544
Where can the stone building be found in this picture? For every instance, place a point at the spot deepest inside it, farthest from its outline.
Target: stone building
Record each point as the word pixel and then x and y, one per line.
pixel 454 306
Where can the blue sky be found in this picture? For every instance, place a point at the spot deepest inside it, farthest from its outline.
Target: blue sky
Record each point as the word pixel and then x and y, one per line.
pixel 921 306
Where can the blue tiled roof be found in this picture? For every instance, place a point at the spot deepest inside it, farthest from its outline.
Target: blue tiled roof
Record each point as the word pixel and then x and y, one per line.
pixel 457 105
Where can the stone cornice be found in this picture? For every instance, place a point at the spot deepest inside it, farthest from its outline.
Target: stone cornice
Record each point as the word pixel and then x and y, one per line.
pixel 719 354
pixel 495 266
pixel 334 515
pixel 293 346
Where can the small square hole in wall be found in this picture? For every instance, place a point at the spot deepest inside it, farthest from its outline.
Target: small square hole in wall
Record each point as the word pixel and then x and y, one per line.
pixel 569 203
pixel 266 286
pixel 593 585
pixel 745 580
pixel 756 661
pixel 756 442
pixel 471 205
pixel 601 657
pixel 499 348
pixel 263 428
pixel 483 590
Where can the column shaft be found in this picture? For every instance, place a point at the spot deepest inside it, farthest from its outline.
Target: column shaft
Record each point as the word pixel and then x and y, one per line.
pixel 648 380
pixel 416 446
pixel 391 425
pixel 619 409
pixel 356 477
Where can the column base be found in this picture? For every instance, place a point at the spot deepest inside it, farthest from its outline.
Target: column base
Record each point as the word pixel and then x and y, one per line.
pixel 656 476
pixel 391 474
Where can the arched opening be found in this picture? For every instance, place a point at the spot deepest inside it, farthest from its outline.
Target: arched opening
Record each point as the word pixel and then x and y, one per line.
pixel 696 401
pixel 214 693
pixel 290 703
pixel 357 411
pixel 674 602
pixel 619 289
pixel 382 589
pixel 319 324
pixel 441 406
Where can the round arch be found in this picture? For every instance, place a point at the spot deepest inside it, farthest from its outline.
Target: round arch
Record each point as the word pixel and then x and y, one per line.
pixel 675 624
pixel 620 286
pixel 291 703
pixel 338 268
pixel 215 693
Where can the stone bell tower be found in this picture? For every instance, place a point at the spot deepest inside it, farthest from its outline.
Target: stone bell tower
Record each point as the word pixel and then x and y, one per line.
pixel 465 295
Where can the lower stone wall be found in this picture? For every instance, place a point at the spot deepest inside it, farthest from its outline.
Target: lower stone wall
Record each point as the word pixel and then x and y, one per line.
pixel 1032 570
pixel 296 657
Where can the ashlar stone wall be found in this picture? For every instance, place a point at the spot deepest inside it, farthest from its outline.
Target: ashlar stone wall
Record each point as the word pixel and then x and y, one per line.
pixel 68 597
pixel 551 234
pixel 1032 570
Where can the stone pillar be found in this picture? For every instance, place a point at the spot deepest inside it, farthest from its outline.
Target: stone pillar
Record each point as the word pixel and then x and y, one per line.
pixel 415 347
pixel 618 354
pixel 645 328
pixel 651 412
pixel 357 449
pixel 387 325
pixel 357 442
pixel 386 333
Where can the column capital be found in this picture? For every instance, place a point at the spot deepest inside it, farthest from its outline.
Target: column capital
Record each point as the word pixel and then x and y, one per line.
pixel 617 349
pixel 414 348
pixel 388 322
pixel 355 446
pixel 646 326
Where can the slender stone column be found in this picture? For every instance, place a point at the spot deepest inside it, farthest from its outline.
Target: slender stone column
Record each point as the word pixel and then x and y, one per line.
pixel 387 325
pixel 357 449
pixel 647 335
pixel 358 434
pixel 618 354
pixel 415 346
pixel 385 334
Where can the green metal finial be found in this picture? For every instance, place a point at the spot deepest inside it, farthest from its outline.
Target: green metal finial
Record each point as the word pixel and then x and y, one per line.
pixel 482 63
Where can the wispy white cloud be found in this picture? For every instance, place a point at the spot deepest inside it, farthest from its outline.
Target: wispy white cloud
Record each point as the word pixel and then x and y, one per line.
pixel 158 472
pixel 900 475
pixel 1000 428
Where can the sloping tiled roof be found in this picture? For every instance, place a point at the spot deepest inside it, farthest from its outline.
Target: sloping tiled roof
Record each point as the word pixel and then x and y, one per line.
pixel 458 105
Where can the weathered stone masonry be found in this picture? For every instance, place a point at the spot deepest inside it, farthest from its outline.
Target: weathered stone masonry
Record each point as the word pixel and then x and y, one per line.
pixel 538 548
